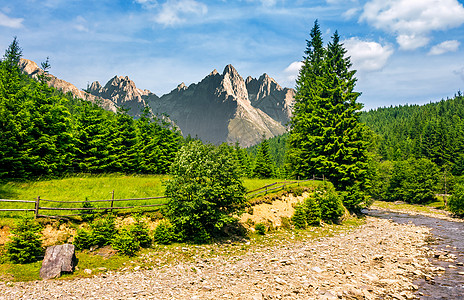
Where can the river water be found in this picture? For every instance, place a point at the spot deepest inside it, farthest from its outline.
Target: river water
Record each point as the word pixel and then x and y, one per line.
pixel 449 242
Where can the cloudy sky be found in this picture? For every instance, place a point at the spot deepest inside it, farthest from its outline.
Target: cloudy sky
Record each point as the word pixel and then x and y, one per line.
pixel 405 51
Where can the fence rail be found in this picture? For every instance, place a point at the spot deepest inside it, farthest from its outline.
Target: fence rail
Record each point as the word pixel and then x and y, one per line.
pixel 86 210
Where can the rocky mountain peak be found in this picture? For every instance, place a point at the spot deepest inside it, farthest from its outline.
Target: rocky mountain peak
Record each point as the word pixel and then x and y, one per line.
pixel 229 69
pixel 213 73
pixel 181 86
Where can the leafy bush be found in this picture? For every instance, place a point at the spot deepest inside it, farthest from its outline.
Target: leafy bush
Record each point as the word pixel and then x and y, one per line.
pixel 125 242
pixel 140 232
pixel 164 233
pixel 307 213
pixel 260 228
pixel 103 230
pixel 414 181
pixel 456 201
pixel 204 189
pixel 25 245
pixel 331 205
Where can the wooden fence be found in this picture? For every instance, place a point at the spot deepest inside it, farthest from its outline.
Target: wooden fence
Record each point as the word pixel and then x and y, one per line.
pixel 43 204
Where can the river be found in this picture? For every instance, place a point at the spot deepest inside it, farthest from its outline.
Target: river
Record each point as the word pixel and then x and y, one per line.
pixel 448 246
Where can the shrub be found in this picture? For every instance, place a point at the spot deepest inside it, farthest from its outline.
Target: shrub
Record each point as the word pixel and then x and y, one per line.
pixel 88 215
pixel 204 189
pixel 260 228
pixel 299 216
pixel 313 212
pixel 331 205
pixel 25 245
pixel 125 242
pixel 103 231
pixel 307 213
pixel 83 239
pixel 139 230
pixel 164 233
pixel 456 201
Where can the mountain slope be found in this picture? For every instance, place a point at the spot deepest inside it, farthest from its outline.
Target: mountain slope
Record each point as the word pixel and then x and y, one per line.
pixel 218 109
pixel 32 69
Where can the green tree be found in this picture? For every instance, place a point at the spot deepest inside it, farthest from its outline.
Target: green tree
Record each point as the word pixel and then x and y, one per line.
pixel 25 245
pixel 456 201
pixel 326 135
pixel 93 128
pixel 264 167
pixel 123 144
pixel 204 192
pixel 414 181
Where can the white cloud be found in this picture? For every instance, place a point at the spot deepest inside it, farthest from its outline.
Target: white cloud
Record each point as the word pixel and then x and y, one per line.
pixel 80 24
pixel 10 22
pixel 175 12
pixel 350 13
pixel 412 21
pixel 291 72
pixel 446 46
pixel 367 56
pixel 147 3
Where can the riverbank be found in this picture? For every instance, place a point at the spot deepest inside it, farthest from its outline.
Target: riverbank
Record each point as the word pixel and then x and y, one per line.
pixel 378 259
pixel 402 207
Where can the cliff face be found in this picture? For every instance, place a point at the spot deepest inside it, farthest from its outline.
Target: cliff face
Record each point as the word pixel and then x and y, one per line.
pixel 221 108
pixel 265 94
pixel 29 67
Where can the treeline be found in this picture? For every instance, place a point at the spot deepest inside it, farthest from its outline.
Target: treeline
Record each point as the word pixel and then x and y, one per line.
pixel 434 131
pixel 44 132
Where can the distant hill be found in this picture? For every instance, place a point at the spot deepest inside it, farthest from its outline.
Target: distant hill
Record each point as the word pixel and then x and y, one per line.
pixel 434 131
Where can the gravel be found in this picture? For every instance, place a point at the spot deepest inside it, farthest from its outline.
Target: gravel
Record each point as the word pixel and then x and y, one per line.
pixel 377 260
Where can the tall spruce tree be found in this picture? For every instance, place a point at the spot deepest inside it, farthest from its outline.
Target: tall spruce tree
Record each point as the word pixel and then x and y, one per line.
pixel 326 135
pixel 264 167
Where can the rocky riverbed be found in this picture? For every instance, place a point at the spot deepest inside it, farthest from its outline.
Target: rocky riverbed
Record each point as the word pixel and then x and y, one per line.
pixel 378 260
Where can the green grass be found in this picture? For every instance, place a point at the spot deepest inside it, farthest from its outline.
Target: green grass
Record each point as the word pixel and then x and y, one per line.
pixel 92 187
pixel 80 188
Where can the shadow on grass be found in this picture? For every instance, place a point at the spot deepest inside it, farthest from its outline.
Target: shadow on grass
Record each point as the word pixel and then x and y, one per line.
pixel 7 192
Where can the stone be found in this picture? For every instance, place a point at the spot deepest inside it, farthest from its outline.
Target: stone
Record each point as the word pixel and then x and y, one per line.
pixel 58 259
pixel 88 271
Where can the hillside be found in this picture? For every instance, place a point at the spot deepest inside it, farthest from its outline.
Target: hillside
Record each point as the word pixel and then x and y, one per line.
pixel 434 131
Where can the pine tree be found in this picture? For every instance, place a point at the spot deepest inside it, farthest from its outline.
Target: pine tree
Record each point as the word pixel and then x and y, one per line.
pixel 264 167
pixel 123 144
pixel 326 135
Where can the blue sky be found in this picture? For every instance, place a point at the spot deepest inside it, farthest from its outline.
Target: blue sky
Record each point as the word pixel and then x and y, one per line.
pixel 405 51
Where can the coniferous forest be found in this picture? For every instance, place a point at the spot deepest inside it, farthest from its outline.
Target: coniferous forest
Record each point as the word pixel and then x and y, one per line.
pixel 47 133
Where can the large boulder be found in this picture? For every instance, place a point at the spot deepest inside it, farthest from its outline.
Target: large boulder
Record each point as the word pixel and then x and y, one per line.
pixel 60 258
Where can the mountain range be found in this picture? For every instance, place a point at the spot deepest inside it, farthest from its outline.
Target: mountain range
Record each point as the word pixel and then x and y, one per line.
pixel 223 107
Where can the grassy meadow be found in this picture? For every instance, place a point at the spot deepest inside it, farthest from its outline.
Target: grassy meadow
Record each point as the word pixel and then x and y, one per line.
pixel 94 187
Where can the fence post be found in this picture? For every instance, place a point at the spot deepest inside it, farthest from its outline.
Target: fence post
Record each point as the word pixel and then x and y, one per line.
pixel 36 208
pixel 298 180
pixel 112 199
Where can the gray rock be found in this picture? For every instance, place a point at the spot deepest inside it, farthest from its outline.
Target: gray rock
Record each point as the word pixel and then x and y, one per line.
pixel 60 258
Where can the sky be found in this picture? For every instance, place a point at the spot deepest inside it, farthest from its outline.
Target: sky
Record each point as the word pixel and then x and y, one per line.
pixel 404 51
